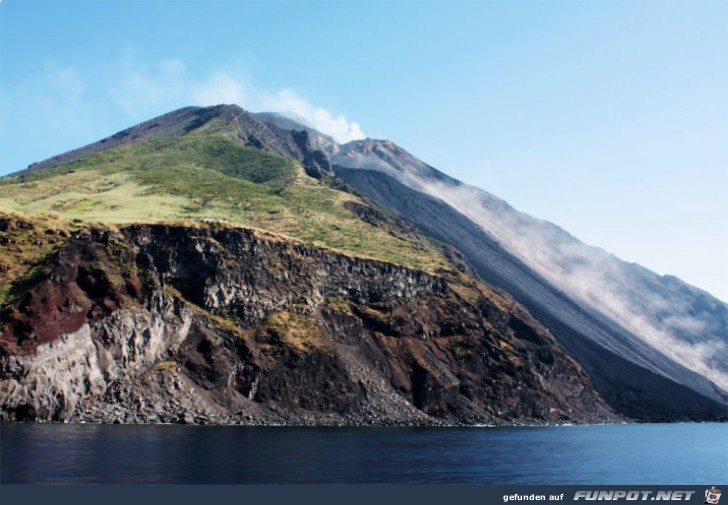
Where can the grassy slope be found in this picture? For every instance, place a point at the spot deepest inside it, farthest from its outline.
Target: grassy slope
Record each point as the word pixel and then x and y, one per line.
pixel 209 175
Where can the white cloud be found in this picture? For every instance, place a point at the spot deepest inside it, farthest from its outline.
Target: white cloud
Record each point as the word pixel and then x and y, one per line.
pixel 63 103
pixel 57 110
pixel 662 319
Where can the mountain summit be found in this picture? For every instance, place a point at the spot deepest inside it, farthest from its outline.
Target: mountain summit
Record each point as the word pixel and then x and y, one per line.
pixel 381 291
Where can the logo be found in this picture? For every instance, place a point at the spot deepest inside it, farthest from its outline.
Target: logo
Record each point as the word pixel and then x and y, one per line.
pixel 712 496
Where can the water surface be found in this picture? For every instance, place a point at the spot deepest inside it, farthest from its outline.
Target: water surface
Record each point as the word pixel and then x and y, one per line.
pixel 610 454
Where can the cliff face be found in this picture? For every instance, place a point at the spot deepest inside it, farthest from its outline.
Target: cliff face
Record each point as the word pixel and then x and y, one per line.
pixel 160 323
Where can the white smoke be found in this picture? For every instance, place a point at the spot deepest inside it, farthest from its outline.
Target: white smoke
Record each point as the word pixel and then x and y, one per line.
pixel 587 273
pixel 289 102
pixel 595 277
pixel 144 90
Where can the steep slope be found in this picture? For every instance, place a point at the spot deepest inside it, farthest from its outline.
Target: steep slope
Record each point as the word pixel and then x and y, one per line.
pixel 652 321
pixel 213 323
pixel 317 140
pixel 628 374
pixel 684 324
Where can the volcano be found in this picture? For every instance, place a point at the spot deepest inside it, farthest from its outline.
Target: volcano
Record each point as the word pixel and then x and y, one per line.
pixel 215 265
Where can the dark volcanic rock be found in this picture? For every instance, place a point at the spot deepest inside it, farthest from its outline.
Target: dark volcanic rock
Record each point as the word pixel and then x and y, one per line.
pixel 217 324
pixel 315 162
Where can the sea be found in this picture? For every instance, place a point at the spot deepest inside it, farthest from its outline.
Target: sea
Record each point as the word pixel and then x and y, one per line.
pixel 695 453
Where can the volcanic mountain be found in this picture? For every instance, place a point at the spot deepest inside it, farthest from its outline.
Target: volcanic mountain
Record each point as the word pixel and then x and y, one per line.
pixel 216 265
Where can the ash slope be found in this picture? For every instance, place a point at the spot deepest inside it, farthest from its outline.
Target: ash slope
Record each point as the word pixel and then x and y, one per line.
pixel 683 323
pixel 211 323
pixel 628 374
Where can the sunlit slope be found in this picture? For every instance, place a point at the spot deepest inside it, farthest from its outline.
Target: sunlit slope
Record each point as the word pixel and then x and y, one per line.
pixel 211 175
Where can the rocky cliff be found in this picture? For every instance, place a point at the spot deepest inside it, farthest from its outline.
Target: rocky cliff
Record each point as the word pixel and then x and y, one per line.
pixel 205 323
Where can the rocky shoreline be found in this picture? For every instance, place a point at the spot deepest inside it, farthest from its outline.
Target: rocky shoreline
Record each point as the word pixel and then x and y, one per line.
pixel 306 421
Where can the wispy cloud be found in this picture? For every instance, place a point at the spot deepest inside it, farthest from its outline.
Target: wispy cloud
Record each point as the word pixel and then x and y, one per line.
pixel 152 88
pixel 137 87
pixel 220 87
pixel 287 101
pixel 46 115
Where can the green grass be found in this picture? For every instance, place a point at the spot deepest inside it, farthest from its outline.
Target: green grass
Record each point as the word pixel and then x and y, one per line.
pixel 24 250
pixel 340 304
pixel 287 329
pixel 210 175
pixel 32 276
pixel 91 196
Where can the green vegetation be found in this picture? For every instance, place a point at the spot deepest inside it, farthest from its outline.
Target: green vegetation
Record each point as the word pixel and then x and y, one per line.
pixel 463 346
pixel 340 304
pixel 209 175
pixel 10 293
pixel 166 366
pixel 510 353
pixel 25 244
pixel 288 329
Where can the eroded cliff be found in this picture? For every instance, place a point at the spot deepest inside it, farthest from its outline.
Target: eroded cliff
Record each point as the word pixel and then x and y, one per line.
pixel 205 323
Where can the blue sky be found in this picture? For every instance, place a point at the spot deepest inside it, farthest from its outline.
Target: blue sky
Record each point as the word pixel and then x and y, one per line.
pixel 607 117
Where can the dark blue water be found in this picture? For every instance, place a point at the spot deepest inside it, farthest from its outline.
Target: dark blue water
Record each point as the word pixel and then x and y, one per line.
pixel 614 454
